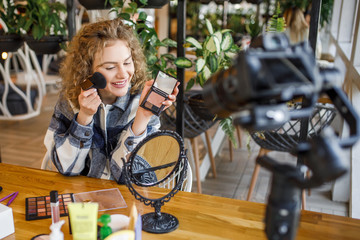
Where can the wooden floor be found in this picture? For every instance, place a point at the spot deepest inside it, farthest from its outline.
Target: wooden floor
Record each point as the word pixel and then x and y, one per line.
pixel 21 143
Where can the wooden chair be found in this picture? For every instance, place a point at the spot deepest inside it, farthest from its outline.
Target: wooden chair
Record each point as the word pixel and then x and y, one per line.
pixel 171 182
pixel 231 149
pixel 285 138
pixel 194 127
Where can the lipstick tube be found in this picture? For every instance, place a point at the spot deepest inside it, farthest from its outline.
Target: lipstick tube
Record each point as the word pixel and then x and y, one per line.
pixel 54 205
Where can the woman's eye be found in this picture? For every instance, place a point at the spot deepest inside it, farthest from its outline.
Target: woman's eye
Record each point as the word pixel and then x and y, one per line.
pixel 109 68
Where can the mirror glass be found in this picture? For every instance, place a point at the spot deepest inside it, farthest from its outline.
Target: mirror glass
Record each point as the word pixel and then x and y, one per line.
pixel 154 161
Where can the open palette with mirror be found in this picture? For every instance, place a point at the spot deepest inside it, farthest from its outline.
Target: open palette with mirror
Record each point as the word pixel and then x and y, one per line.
pixel 162 87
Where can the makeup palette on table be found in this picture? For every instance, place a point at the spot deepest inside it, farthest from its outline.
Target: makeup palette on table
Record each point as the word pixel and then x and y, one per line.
pixel 39 207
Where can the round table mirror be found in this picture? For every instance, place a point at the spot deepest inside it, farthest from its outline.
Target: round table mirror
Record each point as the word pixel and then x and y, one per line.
pixel 155 172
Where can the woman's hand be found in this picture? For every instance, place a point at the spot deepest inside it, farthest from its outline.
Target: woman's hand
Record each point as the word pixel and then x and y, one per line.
pixel 172 97
pixel 89 102
pixel 143 116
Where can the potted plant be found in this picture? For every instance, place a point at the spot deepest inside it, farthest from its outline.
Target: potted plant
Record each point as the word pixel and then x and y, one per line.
pixel 214 54
pixel 255 1
pixel 151 3
pixel 95 4
pixel 45 28
pixel 11 40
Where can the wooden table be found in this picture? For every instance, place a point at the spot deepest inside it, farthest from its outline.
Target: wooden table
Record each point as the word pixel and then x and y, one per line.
pixel 201 216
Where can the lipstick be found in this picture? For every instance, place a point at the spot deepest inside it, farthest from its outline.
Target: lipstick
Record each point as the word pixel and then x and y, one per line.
pixel 54 205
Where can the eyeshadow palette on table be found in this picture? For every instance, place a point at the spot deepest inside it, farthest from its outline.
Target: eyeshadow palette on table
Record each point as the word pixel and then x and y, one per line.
pixel 39 207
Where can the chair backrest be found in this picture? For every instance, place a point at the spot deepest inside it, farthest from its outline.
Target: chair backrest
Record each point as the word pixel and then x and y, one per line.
pixel 171 182
pixel 287 137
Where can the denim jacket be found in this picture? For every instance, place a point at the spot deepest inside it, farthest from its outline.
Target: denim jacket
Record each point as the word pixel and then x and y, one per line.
pixel 95 150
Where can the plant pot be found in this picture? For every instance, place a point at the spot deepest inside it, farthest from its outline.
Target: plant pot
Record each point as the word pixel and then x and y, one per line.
pixel 10 42
pixel 255 1
pixel 193 124
pixel 153 3
pixel 197 104
pixel 94 4
pixel 235 1
pixel 45 45
pixel 219 2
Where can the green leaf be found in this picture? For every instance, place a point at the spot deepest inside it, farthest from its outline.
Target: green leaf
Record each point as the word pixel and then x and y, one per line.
pixel 183 62
pixel 227 42
pixel 151 59
pixel 209 26
pixel 169 42
pixel 206 73
pixel 194 42
pixel 171 72
pixel 213 63
pixel 226 31
pixel 142 16
pixel 144 2
pixel 133 5
pixel 217 45
pixel 230 55
pixel 200 63
pixel 190 84
pixel 168 56
pixel 219 36
pixel 36 32
pixel 210 45
pixel 125 16
pixel 228 128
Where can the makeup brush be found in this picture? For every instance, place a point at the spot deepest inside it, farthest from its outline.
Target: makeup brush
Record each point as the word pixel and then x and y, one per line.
pixel 97 80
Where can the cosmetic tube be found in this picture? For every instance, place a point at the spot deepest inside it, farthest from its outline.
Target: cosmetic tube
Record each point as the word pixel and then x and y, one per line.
pixel 54 205
pixel 83 220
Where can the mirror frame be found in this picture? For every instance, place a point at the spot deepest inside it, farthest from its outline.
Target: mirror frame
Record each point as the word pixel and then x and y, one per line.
pixel 130 180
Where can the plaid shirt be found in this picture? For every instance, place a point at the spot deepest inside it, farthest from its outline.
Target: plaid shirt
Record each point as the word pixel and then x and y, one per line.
pixel 95 150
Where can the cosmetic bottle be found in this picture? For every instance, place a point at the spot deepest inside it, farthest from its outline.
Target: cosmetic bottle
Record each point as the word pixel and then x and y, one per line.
pixel 54 205
pixel 56 233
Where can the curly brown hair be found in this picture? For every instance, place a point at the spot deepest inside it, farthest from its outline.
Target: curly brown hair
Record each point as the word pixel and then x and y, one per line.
pixel 90 40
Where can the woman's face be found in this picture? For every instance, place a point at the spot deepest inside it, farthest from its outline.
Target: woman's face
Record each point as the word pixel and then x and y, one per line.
pixel 117 66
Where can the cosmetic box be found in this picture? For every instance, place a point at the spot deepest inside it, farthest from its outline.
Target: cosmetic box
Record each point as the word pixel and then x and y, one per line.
pixel 6 220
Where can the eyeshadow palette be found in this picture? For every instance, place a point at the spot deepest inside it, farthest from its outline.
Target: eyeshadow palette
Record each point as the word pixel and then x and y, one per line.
pixel 39 207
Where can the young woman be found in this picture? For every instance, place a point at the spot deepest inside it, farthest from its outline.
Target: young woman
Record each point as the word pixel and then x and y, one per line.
pixel 91 130
pixel 297 27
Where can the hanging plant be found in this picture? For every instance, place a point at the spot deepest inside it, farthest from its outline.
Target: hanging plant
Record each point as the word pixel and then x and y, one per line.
pixel 95 4
pixel 255 1
pixel 9 13
pixel 326 12
pixel 45 28
pixel 151 3
pixel 42 18
pixel 11 40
